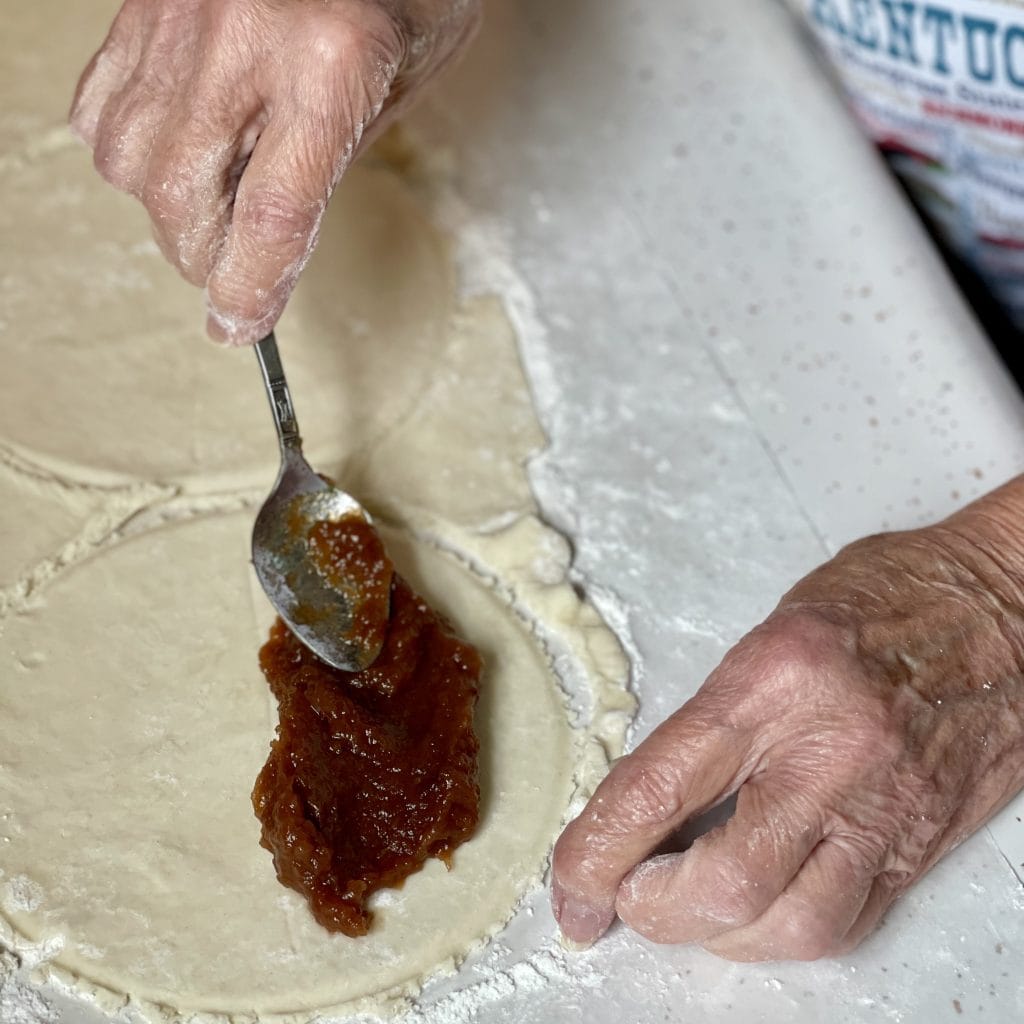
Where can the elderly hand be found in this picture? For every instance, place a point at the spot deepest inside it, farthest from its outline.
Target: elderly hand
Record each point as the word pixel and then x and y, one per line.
pixel 873 722
pixel 232 121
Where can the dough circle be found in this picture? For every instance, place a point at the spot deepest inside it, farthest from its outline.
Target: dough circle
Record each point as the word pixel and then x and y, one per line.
pixel 133 721
pixel 118 337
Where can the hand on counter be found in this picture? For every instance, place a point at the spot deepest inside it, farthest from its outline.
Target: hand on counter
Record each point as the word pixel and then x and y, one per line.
pixel 870 724
pixel 232 121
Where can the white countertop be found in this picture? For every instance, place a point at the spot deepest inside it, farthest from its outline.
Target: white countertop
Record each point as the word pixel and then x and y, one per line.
pixel 745 354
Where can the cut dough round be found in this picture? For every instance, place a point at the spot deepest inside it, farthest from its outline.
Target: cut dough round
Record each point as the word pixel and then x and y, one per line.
pixel 133 722
pixel 132 385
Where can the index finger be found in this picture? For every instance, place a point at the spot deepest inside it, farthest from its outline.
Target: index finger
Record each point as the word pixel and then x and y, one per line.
pixel 311 137
pixel 688 764
pixel 280 200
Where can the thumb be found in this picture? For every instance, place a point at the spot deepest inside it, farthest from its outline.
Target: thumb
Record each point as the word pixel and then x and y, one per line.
pixel 688 764
pixel 730 875
pixel 316 125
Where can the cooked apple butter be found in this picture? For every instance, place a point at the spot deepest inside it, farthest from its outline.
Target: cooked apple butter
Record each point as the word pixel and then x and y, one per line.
pixel 349 556
pixel 371 772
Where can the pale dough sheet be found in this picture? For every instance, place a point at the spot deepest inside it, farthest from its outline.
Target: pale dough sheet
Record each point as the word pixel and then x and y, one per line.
pixel 133 716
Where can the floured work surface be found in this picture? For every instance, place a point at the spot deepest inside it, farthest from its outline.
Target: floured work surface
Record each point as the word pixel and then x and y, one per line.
pixel 133 715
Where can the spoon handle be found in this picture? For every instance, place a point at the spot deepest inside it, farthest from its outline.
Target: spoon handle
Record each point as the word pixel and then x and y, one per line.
pixel 277 391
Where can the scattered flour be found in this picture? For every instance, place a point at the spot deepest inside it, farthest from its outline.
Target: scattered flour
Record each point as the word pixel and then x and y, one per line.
pixel 21 893
pixel 549 966
pixel 20 1004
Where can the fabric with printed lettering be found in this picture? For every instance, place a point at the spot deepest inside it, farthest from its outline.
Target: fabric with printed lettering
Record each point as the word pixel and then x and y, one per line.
pixel 940 88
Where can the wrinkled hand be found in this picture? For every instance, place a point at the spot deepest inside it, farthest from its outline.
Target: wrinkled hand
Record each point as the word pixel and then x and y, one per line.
pixel 873 721
pixel 232 121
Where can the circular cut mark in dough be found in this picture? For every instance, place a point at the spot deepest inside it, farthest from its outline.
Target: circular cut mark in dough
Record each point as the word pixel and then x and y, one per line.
pixel 133 722
pixel 97 322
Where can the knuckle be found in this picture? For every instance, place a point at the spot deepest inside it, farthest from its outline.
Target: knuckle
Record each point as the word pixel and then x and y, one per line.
pixel 648 794
pixel 863 847
pixel 795 653
pixel 124 134
pixel 272 219
pixel 331 42
pixel 120 50
pixel 869 545
pixel 802 642
pixel 376 33
pixel 113 165
pixel 164 197
pixel 362 57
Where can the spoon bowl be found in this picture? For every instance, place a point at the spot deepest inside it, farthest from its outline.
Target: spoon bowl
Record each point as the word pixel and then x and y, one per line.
pixel 324 609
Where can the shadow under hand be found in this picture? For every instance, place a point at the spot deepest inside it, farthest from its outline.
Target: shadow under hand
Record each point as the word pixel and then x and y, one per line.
pixel 682 839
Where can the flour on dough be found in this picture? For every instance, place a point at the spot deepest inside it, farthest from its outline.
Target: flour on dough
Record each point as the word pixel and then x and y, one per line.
pixel 133 717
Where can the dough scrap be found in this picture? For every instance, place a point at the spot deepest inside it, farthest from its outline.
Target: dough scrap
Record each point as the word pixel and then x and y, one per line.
pixel 133 716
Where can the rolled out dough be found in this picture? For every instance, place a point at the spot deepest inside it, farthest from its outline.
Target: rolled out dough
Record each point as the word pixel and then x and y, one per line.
pixel 133 717
pixel 134 727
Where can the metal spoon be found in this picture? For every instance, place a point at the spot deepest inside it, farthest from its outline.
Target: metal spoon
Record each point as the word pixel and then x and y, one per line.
pixel 321 615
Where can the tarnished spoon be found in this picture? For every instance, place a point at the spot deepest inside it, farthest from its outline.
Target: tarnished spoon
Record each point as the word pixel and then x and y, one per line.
pixel 325 611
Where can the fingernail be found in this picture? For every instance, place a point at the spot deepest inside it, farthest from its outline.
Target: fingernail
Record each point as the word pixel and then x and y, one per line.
pixel 216 331
pixel 580 925
pixel 232 332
